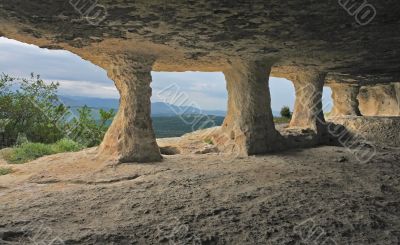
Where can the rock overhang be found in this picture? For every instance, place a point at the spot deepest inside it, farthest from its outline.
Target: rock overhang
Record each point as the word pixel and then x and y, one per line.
pixel 205 35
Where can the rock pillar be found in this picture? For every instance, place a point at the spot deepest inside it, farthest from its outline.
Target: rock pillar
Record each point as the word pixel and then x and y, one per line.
pixel 131 138
pixel 308 105
pixel 380 100
pixel 345 102
pixel 249 125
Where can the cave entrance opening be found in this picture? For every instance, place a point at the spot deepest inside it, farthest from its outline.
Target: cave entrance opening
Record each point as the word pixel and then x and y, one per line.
pixel 327 101
pixel 184 102
pixel 282 100
pixel 41 119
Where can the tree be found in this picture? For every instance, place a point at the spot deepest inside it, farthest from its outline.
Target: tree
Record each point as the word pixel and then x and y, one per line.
pixel 285 112
pixel 88 131
pixel 31 107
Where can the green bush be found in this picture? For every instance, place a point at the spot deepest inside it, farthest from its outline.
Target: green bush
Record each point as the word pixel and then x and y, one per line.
pixel 32 110
pixel 285 112
pixel 28 152
pixel 31 151
pixel 87 130
pixel 66 145
pixel 5 171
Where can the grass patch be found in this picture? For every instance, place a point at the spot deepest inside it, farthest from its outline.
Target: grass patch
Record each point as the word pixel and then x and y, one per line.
pixel 281 120
pixel 66 145
pixel 31 151
pixel 5 171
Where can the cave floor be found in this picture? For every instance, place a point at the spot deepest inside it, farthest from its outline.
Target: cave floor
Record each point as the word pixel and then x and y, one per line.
pixel 304 196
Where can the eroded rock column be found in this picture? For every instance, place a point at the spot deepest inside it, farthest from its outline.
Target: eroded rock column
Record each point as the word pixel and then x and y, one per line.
pixel 131 138
pixel 380 100
pixel 249 126
pixel 345 102
pixel 308 111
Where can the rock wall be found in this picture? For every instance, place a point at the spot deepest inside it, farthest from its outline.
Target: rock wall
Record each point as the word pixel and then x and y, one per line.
pixel 381 131
pixel 380 100
pixel 345 102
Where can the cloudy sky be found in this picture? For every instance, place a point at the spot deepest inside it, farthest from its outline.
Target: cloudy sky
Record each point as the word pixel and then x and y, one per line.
pixel 81 78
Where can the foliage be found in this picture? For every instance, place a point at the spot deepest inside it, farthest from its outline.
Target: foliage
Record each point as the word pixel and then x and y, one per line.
pixel 5 171
pixel 28 152
pixel 21 139
pixel 66 145
pixel 31 107
pixel 31 151
pixel 88 131
pixel 30 110
pixel 285 112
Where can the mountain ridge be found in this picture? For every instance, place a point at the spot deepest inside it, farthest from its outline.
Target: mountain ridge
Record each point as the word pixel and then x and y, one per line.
pixel 157 108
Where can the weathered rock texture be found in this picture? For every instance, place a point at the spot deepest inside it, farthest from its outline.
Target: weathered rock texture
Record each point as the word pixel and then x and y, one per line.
pixel 380 100
pixel 345 102
pixel 131 137
pixel 321 38
pixel 372 130
pixel 189 34
pixel 249 124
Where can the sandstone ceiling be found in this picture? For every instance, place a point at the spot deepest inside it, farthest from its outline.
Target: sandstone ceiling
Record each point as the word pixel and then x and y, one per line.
pixel 204 35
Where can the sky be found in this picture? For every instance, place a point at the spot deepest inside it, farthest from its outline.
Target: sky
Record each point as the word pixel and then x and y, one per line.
pixel 78 77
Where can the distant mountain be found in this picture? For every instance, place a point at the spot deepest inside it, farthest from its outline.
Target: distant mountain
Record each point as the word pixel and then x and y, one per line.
pixel 95 103
pixel 158 109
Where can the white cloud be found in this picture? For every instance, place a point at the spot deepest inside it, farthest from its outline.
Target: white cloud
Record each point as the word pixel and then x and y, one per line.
pixel 87 89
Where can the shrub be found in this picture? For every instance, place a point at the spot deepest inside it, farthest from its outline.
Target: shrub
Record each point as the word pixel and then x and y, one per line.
pixel 5 171
pixel 285 112
pixel 28 152
pixel 87 130
pixel 66 145
pixel 32 110
pixel 31 151
pixel 21 139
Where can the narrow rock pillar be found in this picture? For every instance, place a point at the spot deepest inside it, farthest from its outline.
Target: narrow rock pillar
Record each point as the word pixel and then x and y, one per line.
pixel 249 124
pixel 345 102
pixel 308 105
pixel 131 138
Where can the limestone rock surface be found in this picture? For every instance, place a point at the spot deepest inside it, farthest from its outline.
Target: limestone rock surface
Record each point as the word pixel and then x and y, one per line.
pixel 380 100
pixel 345 102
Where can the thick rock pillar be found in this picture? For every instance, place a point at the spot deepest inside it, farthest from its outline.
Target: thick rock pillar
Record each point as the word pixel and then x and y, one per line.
pixel 131 138
pixel 308 105
pixel 345 102
pixel 380 100
pixel 249 124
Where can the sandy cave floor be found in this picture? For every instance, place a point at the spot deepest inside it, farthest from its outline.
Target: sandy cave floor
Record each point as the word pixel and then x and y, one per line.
pixel 307 196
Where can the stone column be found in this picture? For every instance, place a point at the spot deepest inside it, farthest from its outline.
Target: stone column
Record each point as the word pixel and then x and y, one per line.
pixel 131 138
pixel 308 105
pixel 249 124
pixel 345 102
pixel 380 100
